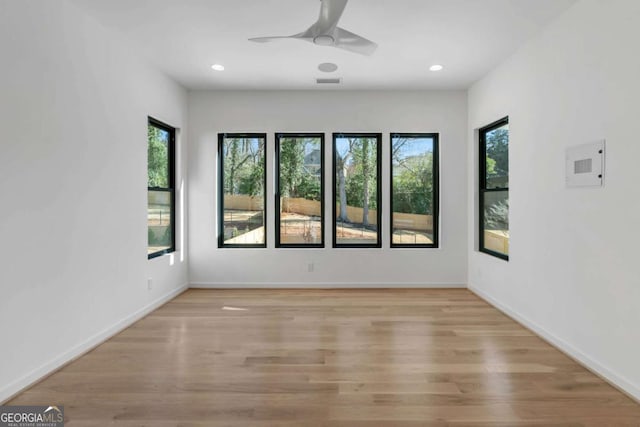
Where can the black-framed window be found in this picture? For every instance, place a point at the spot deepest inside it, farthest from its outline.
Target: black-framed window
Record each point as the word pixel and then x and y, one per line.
pixel 242 180
pixel 494 189
pixel 161 206
pixel 414 190
pixel 300 190
pixel 357 190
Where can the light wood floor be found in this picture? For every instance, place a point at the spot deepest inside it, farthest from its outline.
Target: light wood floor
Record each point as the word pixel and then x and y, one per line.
pixel 351 358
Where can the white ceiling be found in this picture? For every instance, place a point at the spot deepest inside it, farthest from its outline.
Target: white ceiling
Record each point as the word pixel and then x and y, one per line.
pixel 185 37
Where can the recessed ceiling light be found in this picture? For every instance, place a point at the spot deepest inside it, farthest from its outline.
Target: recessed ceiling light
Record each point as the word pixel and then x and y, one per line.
pixel 436 67
pixel 217 67
pixel 327 67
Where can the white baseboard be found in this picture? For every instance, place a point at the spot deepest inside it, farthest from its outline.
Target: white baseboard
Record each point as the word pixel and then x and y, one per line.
pixel 616 380
pixel 321 285
pixel 9 391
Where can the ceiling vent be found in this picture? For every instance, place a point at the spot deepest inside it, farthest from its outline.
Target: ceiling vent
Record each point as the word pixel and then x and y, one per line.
pixel 330 81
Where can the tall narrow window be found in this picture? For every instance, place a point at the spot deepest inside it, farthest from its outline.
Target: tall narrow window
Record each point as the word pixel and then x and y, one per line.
pixel 494 189
pixel 356 190
pixel 300 190
pixel 414 190
pixel 241 189
pixel 160 188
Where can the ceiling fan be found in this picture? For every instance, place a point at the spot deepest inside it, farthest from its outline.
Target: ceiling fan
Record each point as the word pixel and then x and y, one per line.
pixel 325 31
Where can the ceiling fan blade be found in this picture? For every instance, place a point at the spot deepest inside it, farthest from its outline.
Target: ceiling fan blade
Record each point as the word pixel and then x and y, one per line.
pixel 353 42
pixel 269 39
pixel 300 36
pixel 330 13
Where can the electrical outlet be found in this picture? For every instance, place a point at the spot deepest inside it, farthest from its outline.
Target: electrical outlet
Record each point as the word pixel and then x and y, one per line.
pixel 310 267
pixel 149 283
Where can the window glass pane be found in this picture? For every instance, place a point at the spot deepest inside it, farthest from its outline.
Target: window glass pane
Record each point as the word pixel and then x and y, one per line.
pixel 160 198
pixel 413 198
pixel 496 221
pixel 159 220
pixel 497 160
pixel 494 189
pixel 356 190
pixel 300 181
pixel 243 162
pixel 158 157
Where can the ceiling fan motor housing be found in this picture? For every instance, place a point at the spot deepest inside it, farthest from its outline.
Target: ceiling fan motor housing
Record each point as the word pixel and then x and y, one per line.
pixel 324 40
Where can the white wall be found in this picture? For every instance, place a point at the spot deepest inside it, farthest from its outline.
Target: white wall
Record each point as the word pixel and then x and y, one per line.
pixel 573 272
pixel 73 108
pixel 312 111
